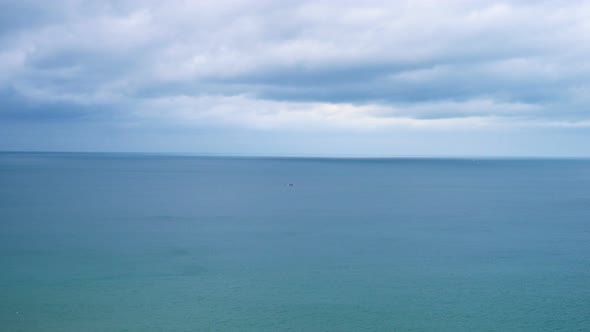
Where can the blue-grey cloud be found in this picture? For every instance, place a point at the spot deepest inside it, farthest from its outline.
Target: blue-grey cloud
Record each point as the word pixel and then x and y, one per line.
pixel 297 65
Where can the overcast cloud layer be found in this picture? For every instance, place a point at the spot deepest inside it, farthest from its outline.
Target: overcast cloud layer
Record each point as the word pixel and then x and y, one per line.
pixel 296 77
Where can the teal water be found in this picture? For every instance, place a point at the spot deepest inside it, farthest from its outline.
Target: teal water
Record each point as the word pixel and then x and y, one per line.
pixel 98 242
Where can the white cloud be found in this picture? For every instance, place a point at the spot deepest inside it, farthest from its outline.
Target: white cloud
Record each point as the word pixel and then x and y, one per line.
pixel 245 111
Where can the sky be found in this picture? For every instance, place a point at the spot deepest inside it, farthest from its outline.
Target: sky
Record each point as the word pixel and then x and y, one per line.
pixel 310 78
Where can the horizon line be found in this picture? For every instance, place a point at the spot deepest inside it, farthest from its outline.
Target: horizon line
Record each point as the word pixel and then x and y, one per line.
pixel 294 156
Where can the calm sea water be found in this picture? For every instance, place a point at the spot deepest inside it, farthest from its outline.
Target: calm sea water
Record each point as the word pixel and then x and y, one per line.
pixel 97 242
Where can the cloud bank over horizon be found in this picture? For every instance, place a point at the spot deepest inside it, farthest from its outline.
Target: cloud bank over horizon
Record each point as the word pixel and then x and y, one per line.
pixel 372 77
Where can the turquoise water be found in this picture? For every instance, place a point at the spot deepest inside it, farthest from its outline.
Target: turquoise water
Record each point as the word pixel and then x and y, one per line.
pixel 98 242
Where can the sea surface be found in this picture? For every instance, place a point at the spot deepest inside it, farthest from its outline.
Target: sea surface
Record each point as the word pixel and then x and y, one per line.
pixel 124 242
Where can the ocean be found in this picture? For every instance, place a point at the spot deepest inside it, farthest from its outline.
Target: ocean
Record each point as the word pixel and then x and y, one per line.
pixel 131 242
